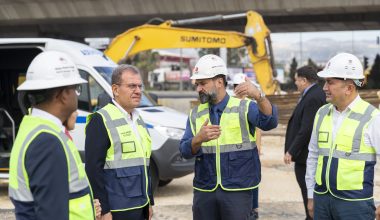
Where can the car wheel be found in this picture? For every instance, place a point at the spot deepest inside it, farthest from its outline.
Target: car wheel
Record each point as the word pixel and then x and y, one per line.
pixel 164 182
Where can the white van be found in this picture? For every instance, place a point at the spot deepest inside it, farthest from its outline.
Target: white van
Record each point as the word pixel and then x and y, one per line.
pixel 166 125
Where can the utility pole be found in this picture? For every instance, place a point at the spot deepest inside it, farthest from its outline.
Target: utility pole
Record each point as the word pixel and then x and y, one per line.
pixel 180 71
pixel 301 49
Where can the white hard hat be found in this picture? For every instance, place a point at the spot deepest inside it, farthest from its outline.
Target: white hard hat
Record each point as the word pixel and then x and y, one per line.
pixel 51 69
pixel 343 65
pixel 238 78
pixel 209 66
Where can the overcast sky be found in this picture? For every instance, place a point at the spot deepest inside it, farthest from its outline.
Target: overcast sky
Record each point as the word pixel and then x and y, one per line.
pixel 336 35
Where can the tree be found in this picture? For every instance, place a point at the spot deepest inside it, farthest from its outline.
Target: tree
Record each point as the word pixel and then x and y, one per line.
pixel 365 62
pixel 236 56
pixel 145 61
pixel 374 76
pixel 310 62
pixel 292 71
pixel 204 51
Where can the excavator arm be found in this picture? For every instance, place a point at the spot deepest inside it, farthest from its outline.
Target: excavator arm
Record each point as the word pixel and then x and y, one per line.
pixel 164 36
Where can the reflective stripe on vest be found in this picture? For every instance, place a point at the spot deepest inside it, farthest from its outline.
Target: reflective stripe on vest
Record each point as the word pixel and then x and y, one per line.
pixel 354 154
pixel 118 161
pixel 345 163
pixel 235 109
pixel 127 153
pixel 23 193
pixel 217 155
pixel 229 148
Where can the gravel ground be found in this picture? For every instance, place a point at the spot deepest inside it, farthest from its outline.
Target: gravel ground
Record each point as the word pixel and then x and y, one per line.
pixel 279 196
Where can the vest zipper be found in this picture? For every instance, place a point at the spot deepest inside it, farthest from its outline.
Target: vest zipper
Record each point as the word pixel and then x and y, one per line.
pixel 328 167
pixel 218 173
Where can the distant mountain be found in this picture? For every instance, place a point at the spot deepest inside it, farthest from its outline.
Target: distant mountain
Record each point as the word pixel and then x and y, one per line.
pixel 321 49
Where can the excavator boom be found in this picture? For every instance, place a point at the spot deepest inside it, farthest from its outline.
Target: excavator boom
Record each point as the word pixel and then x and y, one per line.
pixel 165 36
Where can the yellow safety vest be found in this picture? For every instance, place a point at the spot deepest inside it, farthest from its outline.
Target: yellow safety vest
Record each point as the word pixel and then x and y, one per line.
pixel 230 161
pixel 127 162
pixel 80 207
pixel 346 164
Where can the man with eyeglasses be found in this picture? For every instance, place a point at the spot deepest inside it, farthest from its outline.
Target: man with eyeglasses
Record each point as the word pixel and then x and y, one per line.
pixel 47 179
pixel 118 149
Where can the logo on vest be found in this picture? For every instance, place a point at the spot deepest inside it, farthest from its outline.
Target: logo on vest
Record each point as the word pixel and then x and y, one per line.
pixel 348 154
pixel 126 133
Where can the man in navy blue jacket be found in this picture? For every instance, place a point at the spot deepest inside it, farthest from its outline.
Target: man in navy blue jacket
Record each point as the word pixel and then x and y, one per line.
pixel 300 125
pixel 220 133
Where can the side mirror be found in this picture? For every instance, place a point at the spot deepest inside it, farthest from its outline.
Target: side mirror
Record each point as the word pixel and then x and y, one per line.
pixel 103 100
pixel 154 97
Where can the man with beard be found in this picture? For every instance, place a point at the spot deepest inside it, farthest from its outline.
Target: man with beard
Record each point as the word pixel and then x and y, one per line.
pixel 118 149
pixel 220 133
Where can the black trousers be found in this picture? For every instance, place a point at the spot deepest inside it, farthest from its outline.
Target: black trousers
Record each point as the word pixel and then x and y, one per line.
pixel 134 214
pixel 300 171
pixel 222 205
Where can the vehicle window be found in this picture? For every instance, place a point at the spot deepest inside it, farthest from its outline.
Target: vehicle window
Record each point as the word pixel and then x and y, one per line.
pixel 105 72
pixel 93 97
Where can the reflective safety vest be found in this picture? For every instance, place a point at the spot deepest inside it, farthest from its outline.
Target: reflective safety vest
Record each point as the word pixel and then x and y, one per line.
pixel 80 206
pixel 345 164
pixel 231 161
pixel 126 168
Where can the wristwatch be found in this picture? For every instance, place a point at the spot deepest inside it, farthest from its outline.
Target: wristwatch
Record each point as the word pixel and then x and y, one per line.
pixel 261 98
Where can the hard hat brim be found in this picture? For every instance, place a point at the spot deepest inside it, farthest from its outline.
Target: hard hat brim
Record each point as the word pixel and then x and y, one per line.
pixel 198 76
pixel 48 84
pixel 328 74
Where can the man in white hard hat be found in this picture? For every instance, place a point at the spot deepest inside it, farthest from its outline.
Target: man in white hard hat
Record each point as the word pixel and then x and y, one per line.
pixel 47 179
pixel 343 146
pixel 238 79
pixel 220 133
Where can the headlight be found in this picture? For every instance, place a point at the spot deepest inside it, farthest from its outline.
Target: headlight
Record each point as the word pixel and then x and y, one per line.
pixel 174 133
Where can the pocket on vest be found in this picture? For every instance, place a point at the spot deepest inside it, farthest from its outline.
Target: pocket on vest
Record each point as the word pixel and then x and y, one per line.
pixel 204 168
pixel 242 163
pixel 81 207
pixel 350 175
pixel 130 181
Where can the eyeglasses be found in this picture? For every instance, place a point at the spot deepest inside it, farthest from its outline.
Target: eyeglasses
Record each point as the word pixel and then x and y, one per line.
pixel 131 86
pixel 77 88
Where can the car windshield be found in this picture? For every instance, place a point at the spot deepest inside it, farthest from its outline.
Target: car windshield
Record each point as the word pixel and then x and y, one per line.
pixel 106 73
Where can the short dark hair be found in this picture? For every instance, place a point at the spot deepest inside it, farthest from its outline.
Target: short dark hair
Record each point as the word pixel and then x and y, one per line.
pixel 118 71
pixel 222 77
pixel 36 97
pixel 308 72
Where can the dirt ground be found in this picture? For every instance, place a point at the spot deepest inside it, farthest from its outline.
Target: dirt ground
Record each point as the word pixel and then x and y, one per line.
pixel 279 195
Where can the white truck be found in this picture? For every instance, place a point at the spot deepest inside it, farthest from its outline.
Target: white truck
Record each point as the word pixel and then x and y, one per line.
pixel 165 125
pixel 167 77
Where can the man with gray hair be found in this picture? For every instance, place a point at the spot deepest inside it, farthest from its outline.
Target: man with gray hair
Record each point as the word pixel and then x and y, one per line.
pixel 118 149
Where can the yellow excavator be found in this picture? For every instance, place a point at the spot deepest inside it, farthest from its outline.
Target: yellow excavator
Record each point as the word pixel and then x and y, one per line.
pixel 166 35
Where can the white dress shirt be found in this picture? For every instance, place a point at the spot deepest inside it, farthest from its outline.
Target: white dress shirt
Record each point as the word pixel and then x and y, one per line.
pixel 46 115
pixel 371 138
pixel 131 120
